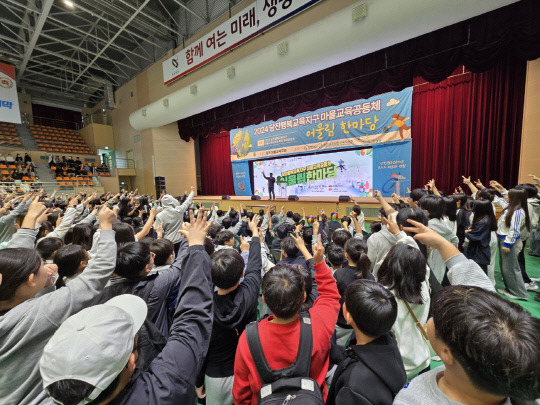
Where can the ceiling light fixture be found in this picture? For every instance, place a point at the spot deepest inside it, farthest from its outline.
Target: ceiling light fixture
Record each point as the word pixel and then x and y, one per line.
pixel 69 3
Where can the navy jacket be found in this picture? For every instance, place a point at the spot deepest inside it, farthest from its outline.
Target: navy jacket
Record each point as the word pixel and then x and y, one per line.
pixel 170 378
pixel 479 237
pixel 370 374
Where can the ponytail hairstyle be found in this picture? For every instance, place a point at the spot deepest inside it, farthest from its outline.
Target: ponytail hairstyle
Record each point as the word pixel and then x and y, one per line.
pixel 483 210
pixel 461 198
pixel 517 199
pixel 403 271
pixel 357 251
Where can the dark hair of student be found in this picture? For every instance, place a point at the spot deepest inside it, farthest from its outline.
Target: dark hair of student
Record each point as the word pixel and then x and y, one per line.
pixel 233 213
pixel 68 237
pixel 68 259
pixel 418 193
pixel 123 207
pixel 336 255
pixel 213 230
pixel 45 228
pixel 308 285
pixel 486 194
pixel 357 209
pixel 222 237
pixel 289 247
pixel 261 212
pixel 357 251
pixel 283 288
pixel 16 265
pixel 136 222
pixel 340 237
pixel 83 235
pixel 346 218
pixel 209 246
pixel 219 213
pixel 227 222
pixel 307 235
pixel 483 211
pixel 227 268
pixel 403 271
pixel 517 199
pixel 289 214
pixel 451 208
pixel 282 231
pixel 47 246
pixel 375 226
pixel 530 189
pixel 297 218
pixel 382 212
pixel 123 233
pixel 127 220
pixel 324 218
pixel 74 391
pixel 163 249
pixel 418 215
pixel 461 198
pixel 131 259
pixel 372 307
pixel 493 339
pixel 434 205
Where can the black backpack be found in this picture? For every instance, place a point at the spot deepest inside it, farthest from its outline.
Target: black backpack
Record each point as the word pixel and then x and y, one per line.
pixel 290 385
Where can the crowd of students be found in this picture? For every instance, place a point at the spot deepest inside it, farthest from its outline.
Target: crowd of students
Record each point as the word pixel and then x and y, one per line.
pixel 128 299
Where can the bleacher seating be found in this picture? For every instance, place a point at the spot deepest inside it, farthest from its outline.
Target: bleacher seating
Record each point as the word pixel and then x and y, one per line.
pixel 8 135
pixel 59 140
pixel 70 180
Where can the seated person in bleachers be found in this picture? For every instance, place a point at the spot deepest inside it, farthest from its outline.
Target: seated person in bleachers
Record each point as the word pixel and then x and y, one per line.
pixel 57 160
pixel 290 253
pixel 50 159
pixel 16 174
pixel 10 159
pixel 58 171
pixel 86 169
pixel 78 162
pixel 70 162
pixel 64 160
pixel 27 159
pixel 18 159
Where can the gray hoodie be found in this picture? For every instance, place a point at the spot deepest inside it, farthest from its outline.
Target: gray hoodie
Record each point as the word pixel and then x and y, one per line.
pixel 435 261
pixel 172 216
pixel 26 329
pixel 7 222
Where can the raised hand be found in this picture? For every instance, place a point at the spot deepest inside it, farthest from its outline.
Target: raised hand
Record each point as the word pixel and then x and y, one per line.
pixel 318 253
pixel 244 245
pixel 199 228
pixel 466 180
pixel 106 218
pixel 391 225
pixel 253 225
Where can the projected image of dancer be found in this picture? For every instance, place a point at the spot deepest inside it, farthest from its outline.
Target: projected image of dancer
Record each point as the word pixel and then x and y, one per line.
pixel 271 182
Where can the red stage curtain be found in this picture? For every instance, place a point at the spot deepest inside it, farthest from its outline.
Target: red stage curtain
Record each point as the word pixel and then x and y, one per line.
pixel 469 124
pixel 216 167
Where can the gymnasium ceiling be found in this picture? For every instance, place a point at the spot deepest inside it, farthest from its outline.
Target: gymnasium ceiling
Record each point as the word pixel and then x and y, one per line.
pixel 74 52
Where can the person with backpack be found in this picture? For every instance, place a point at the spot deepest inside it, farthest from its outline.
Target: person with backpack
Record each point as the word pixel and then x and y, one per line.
pixel 371 370
pixel 283 290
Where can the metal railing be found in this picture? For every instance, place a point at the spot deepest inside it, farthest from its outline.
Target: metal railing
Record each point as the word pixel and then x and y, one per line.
pixel 98 117
pixel 124 163
pixel 52 122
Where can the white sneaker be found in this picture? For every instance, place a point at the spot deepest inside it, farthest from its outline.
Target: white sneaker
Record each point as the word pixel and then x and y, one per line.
pixel 535 280
pixel 531 286
pixel 508 295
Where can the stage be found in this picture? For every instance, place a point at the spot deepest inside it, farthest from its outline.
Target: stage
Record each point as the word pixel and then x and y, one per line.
pixel 370 206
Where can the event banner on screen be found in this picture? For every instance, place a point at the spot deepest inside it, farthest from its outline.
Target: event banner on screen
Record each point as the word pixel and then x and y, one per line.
pixel 326 174
pixel 378 120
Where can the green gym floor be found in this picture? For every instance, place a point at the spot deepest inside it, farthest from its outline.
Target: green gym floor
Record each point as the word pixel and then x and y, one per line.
pixel 532 264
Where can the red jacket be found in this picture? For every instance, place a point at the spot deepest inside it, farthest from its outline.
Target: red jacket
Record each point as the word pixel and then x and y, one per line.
pixel 280 342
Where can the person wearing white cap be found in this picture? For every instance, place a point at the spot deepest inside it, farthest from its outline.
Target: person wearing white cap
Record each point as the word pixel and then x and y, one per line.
pixel 91 358
pixel 26 321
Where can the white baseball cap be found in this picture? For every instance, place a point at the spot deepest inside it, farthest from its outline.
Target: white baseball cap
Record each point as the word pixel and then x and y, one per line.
pixel 94 345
